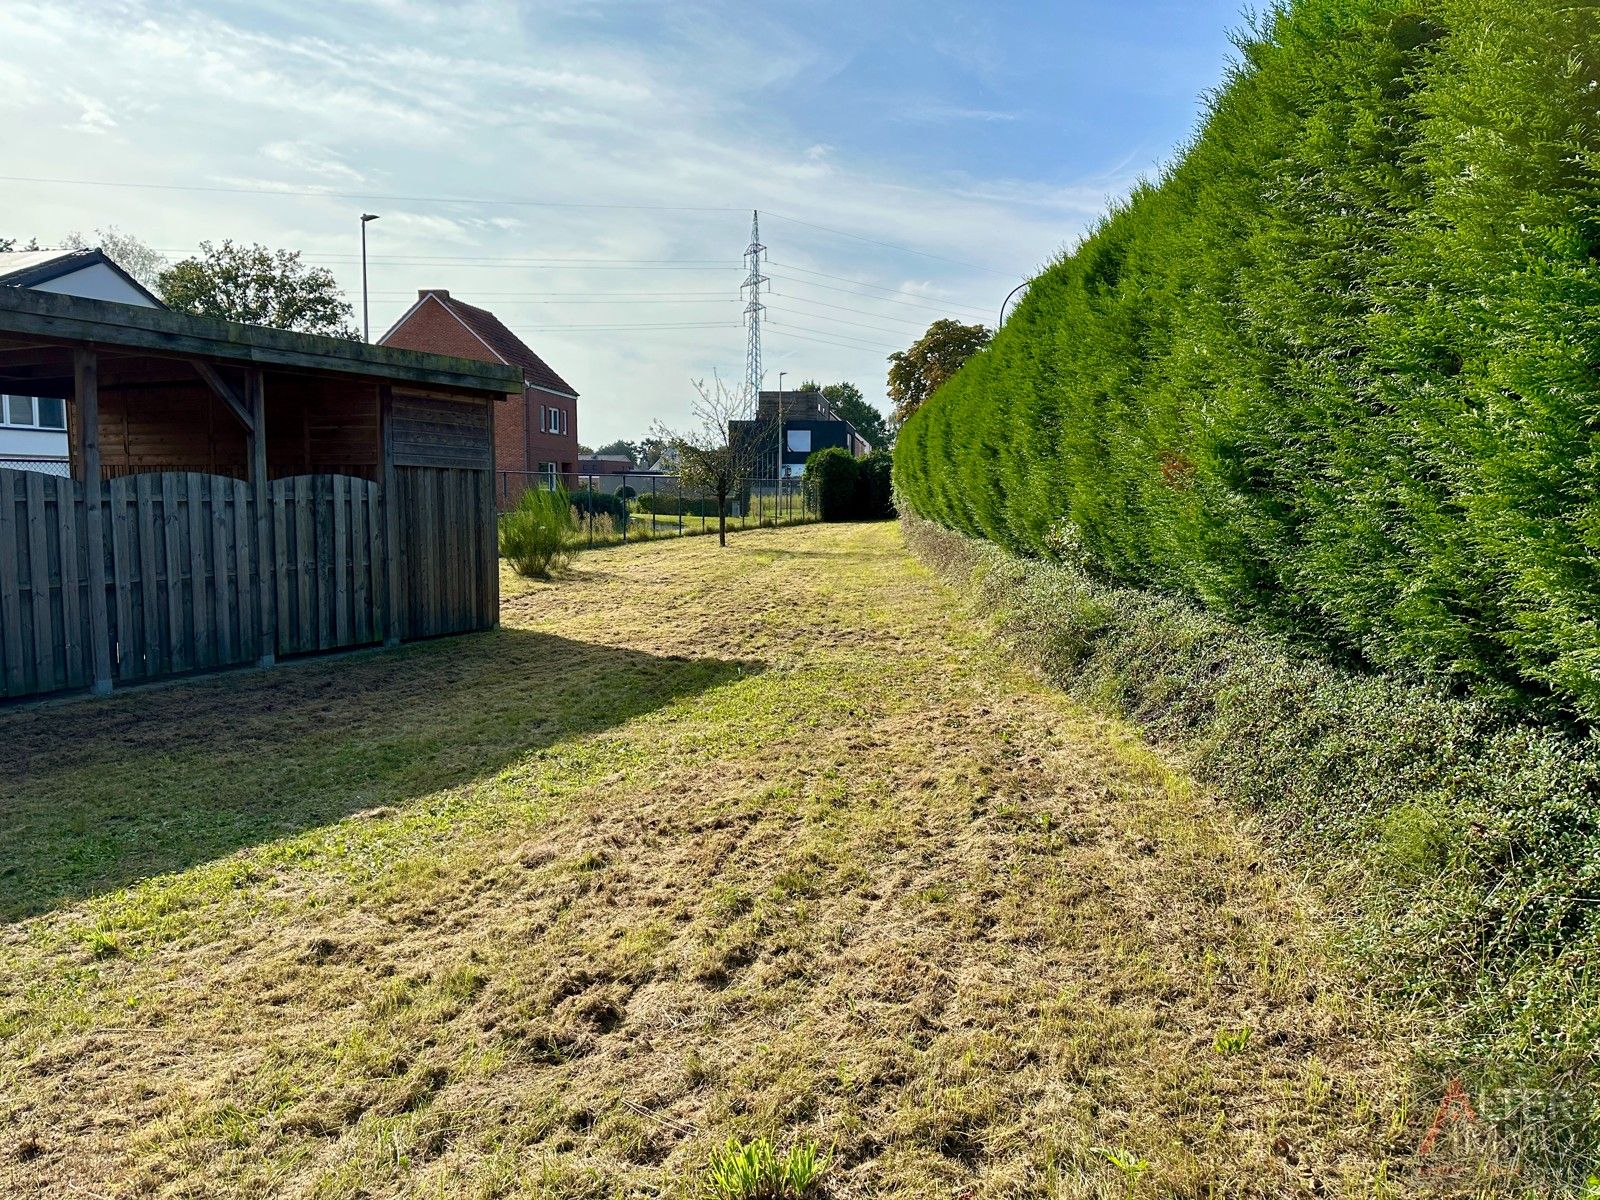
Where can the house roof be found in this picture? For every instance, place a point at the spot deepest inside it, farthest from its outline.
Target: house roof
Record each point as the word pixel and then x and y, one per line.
pixel 51 318
pixel 29 268
pixel 492 332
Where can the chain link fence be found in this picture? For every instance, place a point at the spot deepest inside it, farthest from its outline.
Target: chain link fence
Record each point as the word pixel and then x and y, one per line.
pixel 58 467
pixel 614 509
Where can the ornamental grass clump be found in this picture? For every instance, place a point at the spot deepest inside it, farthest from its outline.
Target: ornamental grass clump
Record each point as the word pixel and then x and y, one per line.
pixel 536 536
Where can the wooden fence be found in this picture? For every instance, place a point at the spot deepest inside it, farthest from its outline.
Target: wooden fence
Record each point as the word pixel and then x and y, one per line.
pixel 189 588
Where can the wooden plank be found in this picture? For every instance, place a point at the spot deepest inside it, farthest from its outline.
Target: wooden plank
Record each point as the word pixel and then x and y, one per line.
pixel 491 535
pixel 179 643
pixel 265 560
pixel 86 394
pixel 360 563
pixel 343 632
pixel 45 676
pixel 394 600
pixel 221 592
pixel 74 620
pixel 305 546
pixel 156 660
pixel 225 392
pixel 247 593
pixel 284 615
pixel 322 525
pixel 202 615
pixel 16 678
pixel 130 652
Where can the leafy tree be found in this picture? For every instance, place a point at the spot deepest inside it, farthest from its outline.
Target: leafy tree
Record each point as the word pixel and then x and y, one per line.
pixel 708 456
pixel 916 373
pixel 132 254
pixel 258 286
pixel 11 244
pixel 621 446
pixel 846 400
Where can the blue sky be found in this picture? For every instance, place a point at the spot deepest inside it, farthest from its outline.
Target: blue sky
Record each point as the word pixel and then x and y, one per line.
pixel 946 149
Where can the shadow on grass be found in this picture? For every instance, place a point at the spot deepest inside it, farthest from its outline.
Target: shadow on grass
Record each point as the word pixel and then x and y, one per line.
pixel 97 794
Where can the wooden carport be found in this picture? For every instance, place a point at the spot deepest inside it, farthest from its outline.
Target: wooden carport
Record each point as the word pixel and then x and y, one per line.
pixel 238 494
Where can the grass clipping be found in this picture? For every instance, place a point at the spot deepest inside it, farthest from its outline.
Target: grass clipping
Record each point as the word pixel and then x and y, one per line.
pixel 1468 839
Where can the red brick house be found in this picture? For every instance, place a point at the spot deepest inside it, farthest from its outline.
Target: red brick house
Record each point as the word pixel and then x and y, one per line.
pixel 535 434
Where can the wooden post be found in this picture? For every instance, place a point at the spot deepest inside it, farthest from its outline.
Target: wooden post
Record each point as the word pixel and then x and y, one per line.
pixel 491 534
pixel 255 403
pixel 86 391
pixel 394 608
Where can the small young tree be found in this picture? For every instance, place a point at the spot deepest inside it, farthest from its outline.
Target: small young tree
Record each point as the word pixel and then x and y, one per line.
pixel 720 455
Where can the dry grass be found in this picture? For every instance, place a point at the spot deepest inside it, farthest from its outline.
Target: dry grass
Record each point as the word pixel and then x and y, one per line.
pixel 763 840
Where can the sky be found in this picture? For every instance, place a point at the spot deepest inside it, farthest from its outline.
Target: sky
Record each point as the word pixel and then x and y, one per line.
pixel 587 170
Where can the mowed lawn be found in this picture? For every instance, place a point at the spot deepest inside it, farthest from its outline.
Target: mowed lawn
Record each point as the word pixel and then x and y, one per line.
pixel 704 842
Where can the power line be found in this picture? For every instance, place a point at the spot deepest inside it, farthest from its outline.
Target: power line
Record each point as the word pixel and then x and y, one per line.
pixel 853 324
pixel 889 245
pixel 788 332
pixel 894 293
pixel 317 193
pixel 846 308
pixel 833 333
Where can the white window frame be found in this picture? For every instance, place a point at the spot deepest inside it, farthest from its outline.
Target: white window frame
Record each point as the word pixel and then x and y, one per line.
pixel 33 413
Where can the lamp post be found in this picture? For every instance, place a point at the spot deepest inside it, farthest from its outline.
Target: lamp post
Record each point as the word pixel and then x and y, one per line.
pixel 1007 300
pixel 366 315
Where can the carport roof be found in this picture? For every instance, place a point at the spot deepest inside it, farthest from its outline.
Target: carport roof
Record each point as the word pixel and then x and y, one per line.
pixel 31 318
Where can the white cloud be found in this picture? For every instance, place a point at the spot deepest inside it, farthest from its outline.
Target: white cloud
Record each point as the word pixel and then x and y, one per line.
pixel 513 103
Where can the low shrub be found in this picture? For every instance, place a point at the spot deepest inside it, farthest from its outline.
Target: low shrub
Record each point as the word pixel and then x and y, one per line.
pixel 589 501
pixel 671 504
pixel 1467 841
pixel 535 536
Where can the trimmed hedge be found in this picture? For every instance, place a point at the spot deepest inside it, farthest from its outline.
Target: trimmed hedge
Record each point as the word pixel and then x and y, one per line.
pixel 1338 370
pixel 1461 848
pixel 848 488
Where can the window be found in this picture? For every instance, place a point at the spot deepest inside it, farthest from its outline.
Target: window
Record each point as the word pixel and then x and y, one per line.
pixel 800 441
pixel 43 412
pixel 547 474
pixel 552 420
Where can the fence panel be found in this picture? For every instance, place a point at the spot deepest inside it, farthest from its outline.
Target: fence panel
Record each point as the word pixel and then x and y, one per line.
pixel 446 559
pixel 327 562
pixel 44 644
pixel 181 575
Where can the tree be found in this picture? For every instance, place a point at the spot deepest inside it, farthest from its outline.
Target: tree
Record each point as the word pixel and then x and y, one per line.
pixel 258 286
pixel 11 244
pixel 622 447
pixel 847 401
pixel 714 456
pixel 916 373
pixel 130 253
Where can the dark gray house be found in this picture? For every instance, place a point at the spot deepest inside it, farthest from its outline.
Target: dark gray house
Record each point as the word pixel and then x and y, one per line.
pixel 807 423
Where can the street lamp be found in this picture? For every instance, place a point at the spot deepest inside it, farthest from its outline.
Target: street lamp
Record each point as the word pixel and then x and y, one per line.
pixel 781 374
pixel 1007 300
pixel 366 314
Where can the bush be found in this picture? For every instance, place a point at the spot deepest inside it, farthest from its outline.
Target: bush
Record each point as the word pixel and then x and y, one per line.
pixel 1468 843
pixel 588 501
pixel 1334 372
pixel 535 536
pixel 849 489
pixel 671 504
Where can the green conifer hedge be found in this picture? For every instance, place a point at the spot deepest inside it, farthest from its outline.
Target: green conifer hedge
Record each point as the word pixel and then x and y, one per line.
pixel 1338 370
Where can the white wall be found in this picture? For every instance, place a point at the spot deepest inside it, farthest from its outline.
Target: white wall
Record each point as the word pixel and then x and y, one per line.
pixel 98 282
pixel 31 444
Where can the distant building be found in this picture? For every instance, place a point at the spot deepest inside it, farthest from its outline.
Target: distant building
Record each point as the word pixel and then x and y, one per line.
pixel 33 429
pixel 536 435
pixel 808 424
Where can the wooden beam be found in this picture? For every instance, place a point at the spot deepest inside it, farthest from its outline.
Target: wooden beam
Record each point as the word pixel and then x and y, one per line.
pixel 76 321
pixel 224 391
pixel 394 602
pixel 86 392
pixel 255 397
